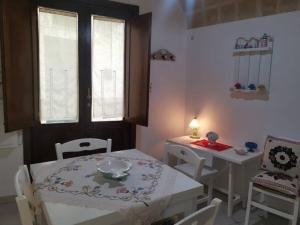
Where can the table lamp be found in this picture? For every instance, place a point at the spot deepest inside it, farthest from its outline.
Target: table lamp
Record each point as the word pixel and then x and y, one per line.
pixel 195 127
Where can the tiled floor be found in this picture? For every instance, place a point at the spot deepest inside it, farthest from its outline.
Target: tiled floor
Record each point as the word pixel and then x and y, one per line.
pixel 257 218
pixel 9 216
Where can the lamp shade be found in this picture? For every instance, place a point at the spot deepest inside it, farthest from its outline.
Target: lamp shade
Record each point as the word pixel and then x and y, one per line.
pixel 194 124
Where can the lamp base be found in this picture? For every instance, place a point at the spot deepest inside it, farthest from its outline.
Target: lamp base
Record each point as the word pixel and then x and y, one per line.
pixel 195 137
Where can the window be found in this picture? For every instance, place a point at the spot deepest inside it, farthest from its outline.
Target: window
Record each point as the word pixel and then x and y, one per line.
pixel 83 63
pixel 108 49
pixel 58 48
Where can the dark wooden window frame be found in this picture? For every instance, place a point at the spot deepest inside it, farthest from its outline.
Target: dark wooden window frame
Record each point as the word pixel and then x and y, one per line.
pixel 85 10
pixel 39 138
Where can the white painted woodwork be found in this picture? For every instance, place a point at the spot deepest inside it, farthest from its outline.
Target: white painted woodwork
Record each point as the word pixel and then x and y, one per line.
pixel 233 160
pixel 75 146
pixel 193 165
pixel 205 216
pixel 24 194
pixel 184 196
pixel 292 217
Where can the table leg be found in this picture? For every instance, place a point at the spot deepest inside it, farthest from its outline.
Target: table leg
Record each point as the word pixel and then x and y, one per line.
pixel 245 185
pixel 230 190
pixel 190 207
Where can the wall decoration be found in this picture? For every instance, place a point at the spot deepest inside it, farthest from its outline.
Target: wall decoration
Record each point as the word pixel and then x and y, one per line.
pixel 164 55
pixel 252 65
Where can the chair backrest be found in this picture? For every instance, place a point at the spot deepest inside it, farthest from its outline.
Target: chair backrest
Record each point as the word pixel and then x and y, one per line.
pixel 282 156
pixel 187 155
pixel 79 145
pixel 205 216
pixel 22 180
pixel 24 197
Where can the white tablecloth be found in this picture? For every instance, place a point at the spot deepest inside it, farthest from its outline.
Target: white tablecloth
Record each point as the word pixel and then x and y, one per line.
pixel 141 197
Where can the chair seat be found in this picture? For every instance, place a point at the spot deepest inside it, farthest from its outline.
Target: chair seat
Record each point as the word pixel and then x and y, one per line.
pixel 189 170
pixel 278 182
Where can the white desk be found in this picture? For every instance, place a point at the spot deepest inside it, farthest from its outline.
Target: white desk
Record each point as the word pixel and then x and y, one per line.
pixel 183 199
pixel 229 156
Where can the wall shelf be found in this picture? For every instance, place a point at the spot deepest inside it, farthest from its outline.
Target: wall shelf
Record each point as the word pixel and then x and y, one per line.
pixel 248 91
pixel 252 66
pixel 258 50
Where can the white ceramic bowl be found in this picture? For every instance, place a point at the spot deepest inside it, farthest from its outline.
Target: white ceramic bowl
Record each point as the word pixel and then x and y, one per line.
pixel 241 151
pixel 114 168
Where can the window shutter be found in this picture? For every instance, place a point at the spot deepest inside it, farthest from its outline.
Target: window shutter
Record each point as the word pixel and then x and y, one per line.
pixel 138 68
pixel 18 50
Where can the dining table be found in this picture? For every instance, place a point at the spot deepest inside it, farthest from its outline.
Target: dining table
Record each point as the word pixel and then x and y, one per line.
pixel 73 191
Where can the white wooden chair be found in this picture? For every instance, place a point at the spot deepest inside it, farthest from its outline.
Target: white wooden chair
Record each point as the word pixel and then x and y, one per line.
pixel 189 163
pixel 24 197
pixel 205 216
pixel 280 179
pixel 84 144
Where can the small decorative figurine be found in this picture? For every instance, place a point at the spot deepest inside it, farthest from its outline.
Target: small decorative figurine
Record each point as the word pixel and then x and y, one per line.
pixel 251 146
pixel 240 43
pixel 240 151
pixel 252 43
pixel 261 88
pixel 252 87
pixel 212 137
pixel 271 42
pixel 164 55
pixel 237 86
pixel 264 41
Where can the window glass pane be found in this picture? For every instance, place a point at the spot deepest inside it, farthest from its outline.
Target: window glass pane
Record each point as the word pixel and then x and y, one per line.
pixel 58 46
pixel 108 42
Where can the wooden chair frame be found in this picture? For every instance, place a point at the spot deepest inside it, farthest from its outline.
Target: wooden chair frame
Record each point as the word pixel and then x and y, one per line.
pixel 260 204
pixel 187 155
pixel 84 144
pixel 205 216
pixel 21 179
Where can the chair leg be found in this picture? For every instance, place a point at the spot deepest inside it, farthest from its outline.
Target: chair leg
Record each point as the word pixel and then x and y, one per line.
pixel 210 190
pixel 249 204
pixel 295 213
pixel 262 200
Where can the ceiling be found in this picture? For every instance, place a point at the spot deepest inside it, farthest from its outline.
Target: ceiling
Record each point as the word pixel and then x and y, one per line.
pixel 208 12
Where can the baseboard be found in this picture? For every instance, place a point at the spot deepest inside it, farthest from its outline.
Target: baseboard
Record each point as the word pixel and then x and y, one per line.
pixel 7 199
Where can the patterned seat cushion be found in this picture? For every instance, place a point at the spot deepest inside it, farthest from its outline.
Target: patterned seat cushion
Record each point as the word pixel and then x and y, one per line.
pixel 278 182
pixel 282 156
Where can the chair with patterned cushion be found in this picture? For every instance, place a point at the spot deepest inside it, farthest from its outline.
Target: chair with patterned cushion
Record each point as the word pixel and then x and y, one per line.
pixel 280 178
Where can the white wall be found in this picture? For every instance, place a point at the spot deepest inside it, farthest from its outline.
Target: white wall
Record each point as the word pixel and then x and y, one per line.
pixel 167 99
pixel 10 159
pixel 210 74
pixel 11 156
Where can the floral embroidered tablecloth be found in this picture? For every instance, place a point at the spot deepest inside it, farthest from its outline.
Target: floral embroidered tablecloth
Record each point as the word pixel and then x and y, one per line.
pixel 76 181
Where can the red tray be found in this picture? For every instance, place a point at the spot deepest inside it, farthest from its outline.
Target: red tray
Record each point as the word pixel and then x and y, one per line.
pixel 217 146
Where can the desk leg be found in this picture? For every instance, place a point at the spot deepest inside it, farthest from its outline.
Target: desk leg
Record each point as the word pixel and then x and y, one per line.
pixel 230 190
pixel 189 207
pixel 245 185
